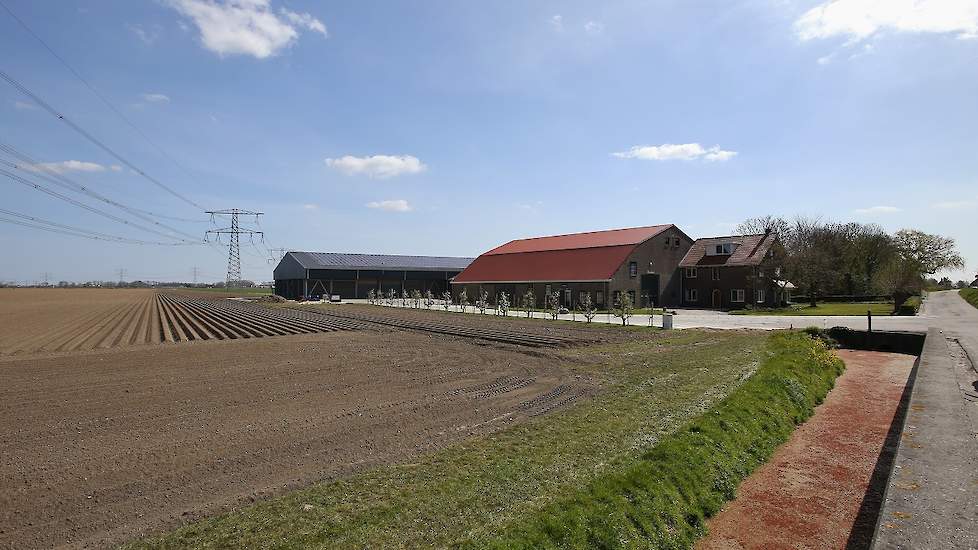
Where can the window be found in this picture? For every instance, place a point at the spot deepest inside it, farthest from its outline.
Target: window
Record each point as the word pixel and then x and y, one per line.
pixel 690 272
pixel 582 296
pixel 716 273
pixel 692 295
pixel 721 249
pixel 759 296
pixel 760 273
pixel 631 297
pixel 633 269
pixel 736 295
pixel 599 297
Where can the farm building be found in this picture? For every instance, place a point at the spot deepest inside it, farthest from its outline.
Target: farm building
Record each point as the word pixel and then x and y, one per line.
pixel 733 272
pixel 641 261
pixel 303 274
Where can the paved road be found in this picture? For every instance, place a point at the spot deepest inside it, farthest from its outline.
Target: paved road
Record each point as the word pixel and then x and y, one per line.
pixel 932 495
pixel 700 318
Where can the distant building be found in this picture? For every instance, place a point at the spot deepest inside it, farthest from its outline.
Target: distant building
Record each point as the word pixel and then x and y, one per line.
pixel 733 272
pixel 641 261
pixel 304 274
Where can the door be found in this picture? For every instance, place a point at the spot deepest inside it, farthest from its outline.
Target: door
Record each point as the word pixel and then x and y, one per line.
pixel 717 299
pixel 650 289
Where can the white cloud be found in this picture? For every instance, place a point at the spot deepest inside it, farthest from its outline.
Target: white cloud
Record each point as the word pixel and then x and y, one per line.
pixel 394 205
pixel 155 98
pixel 25 106
pixel 247 27
pixel 954 205
pixel 670 151
pixel 593 27
pixel 115 168
pixel 557 22
pixel 378 166
pixel 874 210
pixel 66 166
pixel 860 19
pixel 310 206
pixel 147 36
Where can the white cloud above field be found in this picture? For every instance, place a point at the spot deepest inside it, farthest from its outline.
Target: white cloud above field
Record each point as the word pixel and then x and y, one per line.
pixel 377 166
pixel 393 205
pixel 877 210
pixel 155 98
pixel 671 151
pixel 66 166
pixel 860 19
pixel 246 27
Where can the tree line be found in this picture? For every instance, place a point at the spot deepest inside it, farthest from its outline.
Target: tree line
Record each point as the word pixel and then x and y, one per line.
pixel 854 259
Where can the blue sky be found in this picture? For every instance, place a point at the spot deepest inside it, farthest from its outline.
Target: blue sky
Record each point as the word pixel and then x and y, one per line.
pixel 447 128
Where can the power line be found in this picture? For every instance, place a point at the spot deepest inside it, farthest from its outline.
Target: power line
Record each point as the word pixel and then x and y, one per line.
pixel 60 180
pixel 60 116
pixel 74 202
pixel 82 232
pixel 96 92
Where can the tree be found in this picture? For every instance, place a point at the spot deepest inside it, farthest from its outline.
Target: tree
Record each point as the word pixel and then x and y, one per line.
pixel 765 224
pixel 446 298
pixel 371 296
pixel 416 299
pixel 587 307
pixel 813 252
pixel 391 295
pixel 529 301
pixel 502 304
pixel 404 297
pixel 463 300
pixel 623 307
pixel 553 306
pixel 917 254
pixel 429 299
pixel 482 302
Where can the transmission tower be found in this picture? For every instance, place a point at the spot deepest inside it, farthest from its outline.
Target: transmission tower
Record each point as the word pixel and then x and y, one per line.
pixel 234 231
pixel 122 274
pixel 196 272
pixel 276 255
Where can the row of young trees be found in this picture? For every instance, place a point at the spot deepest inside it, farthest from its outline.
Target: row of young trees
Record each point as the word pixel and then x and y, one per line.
pixel 827 258
pixel 416 299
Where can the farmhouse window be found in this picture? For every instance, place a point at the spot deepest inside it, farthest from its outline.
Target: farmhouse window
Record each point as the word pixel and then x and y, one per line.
pixel 759 296
pixel 599 297
pixel 633 269
pixel 736 295
pixel 692 295
pixel 690 272
pixel 716 273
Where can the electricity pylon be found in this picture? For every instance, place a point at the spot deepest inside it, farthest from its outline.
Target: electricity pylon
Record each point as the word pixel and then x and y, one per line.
pixel 235 231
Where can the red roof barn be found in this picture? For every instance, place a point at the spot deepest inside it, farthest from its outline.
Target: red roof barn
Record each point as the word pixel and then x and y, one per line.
pixel 638 260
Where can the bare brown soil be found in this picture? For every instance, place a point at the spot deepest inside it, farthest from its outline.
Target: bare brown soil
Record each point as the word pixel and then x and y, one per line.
pixel 103 445
pixel 820 489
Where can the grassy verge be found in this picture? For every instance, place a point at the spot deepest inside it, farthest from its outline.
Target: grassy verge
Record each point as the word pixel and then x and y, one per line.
pixel 664 498
pixel 649 388
pixel 824 308
pixel 970 295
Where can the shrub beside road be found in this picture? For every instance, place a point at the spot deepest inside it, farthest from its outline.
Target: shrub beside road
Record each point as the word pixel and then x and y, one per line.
pixel 824 308
pixel 970 295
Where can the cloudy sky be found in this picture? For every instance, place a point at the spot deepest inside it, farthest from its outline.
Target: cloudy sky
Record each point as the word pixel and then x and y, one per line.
pixel 448 128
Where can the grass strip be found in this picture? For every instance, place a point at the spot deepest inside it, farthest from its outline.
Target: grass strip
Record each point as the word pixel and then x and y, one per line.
pixel 970 295
pixel 665 497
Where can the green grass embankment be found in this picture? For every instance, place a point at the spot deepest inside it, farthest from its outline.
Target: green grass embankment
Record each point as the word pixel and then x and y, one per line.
pixel 665 497
pixel 824 308
pixel 970 295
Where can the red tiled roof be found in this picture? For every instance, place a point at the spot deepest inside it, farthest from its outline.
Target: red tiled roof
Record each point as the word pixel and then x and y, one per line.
pixel 592 256
pixel 611 237
pixel 751 251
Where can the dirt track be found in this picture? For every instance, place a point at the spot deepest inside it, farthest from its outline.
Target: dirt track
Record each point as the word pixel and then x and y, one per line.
pixel 822 489
pixel 103 445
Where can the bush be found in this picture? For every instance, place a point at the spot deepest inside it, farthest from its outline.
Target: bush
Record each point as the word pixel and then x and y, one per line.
pixel 910 306
pixel 970 295
pixel 664 498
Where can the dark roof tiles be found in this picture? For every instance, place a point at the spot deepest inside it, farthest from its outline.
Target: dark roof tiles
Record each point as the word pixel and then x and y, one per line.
pixel 751 250
pixel 343 260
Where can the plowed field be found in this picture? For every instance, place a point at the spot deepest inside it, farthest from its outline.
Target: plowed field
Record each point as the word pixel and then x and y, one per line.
pixel 105 436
